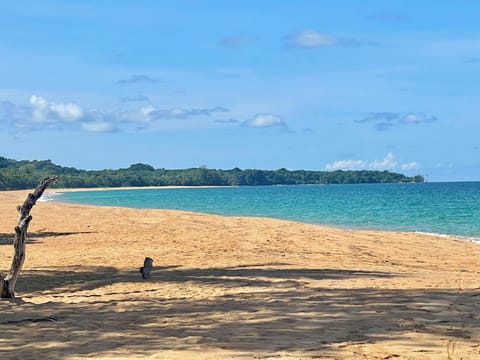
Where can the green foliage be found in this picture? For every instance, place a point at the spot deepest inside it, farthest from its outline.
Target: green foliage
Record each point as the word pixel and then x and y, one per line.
pixel 26 174
pixel 141 167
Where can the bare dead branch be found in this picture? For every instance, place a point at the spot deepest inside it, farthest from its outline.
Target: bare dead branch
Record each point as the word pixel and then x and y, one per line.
pixel 7 283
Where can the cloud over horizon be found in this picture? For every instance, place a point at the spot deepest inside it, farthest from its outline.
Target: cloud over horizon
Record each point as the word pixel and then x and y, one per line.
pixel 100 126
pixel 45 111
pixel 264 121
pixel 385 120
pixel 389 162
pixel 309 39
pixel 42 114
pixel 151 112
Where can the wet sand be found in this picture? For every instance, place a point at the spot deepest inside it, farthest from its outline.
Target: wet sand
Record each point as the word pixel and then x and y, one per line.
pixel 232 288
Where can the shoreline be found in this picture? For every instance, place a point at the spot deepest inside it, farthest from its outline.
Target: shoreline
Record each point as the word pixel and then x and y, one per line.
pixel 475 240
pixel 61 190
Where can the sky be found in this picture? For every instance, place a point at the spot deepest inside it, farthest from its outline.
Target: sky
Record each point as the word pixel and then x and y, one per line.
pixel 317 85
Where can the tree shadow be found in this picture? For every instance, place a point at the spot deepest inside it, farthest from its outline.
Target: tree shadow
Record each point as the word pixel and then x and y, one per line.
pixel 254 310
pixel 35 237
pixel 71 281
pixel 92 277
pixel 6 239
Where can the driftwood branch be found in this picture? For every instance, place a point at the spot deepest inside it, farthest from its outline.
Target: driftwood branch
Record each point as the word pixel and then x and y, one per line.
pixel 7 283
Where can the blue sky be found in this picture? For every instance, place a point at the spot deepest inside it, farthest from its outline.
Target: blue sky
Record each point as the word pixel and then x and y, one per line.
pixel 320 85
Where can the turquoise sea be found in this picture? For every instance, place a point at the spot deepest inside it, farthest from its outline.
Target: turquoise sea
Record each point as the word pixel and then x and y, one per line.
pixel 439 208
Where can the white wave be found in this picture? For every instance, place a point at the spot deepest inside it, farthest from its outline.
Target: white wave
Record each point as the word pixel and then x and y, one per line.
pixel 447 236
pixel 49 196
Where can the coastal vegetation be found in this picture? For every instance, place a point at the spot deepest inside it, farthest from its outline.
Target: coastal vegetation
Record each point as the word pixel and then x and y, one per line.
pixel 26 174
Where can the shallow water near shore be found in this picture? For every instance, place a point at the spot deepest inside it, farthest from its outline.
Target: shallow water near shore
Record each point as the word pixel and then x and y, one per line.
pixel 437 208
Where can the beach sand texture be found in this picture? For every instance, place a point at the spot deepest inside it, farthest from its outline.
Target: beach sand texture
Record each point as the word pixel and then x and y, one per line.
pixel 232 288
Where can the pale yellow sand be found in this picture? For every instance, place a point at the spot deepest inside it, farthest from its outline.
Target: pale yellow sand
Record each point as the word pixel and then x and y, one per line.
pixel 232 288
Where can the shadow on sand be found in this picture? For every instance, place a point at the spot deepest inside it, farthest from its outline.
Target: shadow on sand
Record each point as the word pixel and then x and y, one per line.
pixel 259 309
pixel 35 237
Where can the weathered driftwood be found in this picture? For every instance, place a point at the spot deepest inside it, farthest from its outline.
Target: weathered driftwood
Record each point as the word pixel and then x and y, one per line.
pixel 146 268
pixel 7 283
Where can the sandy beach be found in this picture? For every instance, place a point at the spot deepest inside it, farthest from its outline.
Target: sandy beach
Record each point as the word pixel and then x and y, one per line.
pixel 232 288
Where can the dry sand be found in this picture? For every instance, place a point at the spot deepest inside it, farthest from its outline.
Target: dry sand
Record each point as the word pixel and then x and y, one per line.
pixel 232 288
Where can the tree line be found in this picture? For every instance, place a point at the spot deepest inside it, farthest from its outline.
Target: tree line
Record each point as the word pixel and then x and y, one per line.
pixel 26 174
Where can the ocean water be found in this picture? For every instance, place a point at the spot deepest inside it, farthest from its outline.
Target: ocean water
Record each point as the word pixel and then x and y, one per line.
pixel 439 208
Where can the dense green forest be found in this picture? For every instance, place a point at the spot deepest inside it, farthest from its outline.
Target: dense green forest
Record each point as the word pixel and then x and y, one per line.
pixel 27 174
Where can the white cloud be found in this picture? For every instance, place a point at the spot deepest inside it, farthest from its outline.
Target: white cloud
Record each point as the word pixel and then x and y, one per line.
pixel 264 121
pixel 10 113
pixel 177 112
pixel 389 162
pixel 41 114
pixel 45 111
pixel 386 120
pixel 314 39
pixel 151 112
pixel 146 111
pixel 68 112
pixel 346 165
pixel 97 126
pixel 410 166
pixel 417 119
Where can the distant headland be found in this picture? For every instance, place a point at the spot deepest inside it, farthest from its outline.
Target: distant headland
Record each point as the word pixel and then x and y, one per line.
pixel 25 174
